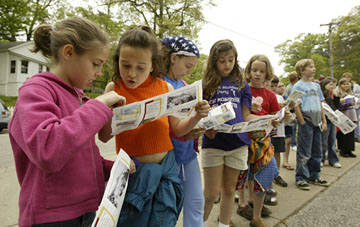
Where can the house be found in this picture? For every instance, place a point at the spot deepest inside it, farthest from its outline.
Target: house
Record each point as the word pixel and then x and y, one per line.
pixel 17 64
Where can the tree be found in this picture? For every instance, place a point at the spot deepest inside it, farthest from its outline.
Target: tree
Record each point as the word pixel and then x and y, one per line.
pixel 314 46
pixel 198 71
pixel 167 17
pixel 347 44
pixel 12 19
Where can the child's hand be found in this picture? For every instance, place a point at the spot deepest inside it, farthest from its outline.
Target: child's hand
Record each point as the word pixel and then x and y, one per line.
pixel 132 167
pixel 210 133
pixel 287 115
pixel 202 108
pixel 275 123
pixel 283 104
pixel 255 108
pixel 195 133
pixel 112 99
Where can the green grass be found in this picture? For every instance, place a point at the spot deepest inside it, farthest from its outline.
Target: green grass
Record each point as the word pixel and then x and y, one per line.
pixel 9 100
pixel 92 95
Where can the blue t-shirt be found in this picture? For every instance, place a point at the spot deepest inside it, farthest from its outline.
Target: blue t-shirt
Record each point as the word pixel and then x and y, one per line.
pixel 184 150
pixel 311 101
pixel 228 91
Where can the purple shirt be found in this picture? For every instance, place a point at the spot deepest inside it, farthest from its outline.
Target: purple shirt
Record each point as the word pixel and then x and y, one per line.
pixel 228 91
pixel 59 167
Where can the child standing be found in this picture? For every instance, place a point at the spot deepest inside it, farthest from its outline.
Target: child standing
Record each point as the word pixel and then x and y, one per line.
pixel 181 56
pixel 224 155
pixel 52 132
pixel 262 167
pixel 278 140
pixel 346 142
pixel 311 117
pixel 328 86
pixel 155 195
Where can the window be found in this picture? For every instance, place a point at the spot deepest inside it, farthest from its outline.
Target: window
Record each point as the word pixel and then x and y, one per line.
pixel 24 66
pixel 13 66
pixel 40 68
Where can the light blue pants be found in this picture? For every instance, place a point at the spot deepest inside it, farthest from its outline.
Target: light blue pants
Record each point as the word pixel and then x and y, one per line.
pixel 357 130
pixel 193 210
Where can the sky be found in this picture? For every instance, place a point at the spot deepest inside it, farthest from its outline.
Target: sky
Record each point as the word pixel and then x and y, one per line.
pixel 256 27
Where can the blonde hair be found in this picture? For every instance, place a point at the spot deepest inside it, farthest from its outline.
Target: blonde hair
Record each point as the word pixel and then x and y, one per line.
pixel 262 58
pixel 212 78
pixel 302 64
pixel 82 34
pixel 341 92
pixel 293 77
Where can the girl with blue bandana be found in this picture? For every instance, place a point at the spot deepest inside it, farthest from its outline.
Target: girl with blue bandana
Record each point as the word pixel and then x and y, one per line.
pixel 180 57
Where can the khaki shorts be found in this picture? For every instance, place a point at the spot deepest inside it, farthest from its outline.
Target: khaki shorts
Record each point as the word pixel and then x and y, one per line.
pixel 236 159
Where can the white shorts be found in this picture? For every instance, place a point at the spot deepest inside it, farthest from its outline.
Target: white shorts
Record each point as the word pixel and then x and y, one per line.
pixel 236 159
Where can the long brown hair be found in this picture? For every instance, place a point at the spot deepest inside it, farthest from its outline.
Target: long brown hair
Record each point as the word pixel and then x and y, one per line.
pixel 141 37
pixel 212 78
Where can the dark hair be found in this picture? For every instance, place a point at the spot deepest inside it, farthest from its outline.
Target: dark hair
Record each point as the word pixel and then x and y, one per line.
pixel 140 37
pixel 323 84
pixel 212 78
pixel 275 80
pixel 82 34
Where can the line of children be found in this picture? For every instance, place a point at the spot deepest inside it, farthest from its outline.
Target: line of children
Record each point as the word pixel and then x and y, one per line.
pixel 180 57
pixel 52 132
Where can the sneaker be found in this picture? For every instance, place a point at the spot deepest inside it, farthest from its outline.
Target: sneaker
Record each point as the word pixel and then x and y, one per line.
pixel 278 180
pixel 319 182
pixel 303 185
pixel 336 165
pixel 246 212
pixel 265 211
pixel 257 223
pixel 294 148
pixel 352 155
pixel 270 200
pixel 321 164
pixel 271 192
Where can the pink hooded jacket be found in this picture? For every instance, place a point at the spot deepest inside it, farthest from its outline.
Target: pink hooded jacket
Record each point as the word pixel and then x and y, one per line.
pixel 59 167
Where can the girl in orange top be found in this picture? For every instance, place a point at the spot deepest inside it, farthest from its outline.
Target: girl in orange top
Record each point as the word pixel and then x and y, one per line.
pixel 137 71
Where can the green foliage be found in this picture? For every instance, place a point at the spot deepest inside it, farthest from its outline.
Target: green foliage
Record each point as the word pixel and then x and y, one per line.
pixel 9 100
pixel 12 19
pixel 198 71
pixel 346 48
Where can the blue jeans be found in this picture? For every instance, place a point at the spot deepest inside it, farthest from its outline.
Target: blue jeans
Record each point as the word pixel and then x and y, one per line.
pixel 357 129
pixel 309 152
pixel 328 144
pixel 293 135
pixel 190 177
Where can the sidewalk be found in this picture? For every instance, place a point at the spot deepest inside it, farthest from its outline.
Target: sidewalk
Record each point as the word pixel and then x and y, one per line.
pixel 291 200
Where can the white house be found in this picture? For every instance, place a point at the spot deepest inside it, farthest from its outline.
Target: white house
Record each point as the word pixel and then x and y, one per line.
pixel 17 64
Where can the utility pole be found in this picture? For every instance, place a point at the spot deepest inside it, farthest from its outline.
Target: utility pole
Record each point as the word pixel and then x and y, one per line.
pixel 330 46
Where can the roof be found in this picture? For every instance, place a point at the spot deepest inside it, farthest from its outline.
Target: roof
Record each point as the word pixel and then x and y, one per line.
pixel 8 45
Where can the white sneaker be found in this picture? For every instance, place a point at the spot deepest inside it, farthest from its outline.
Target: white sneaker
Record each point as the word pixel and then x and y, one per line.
pixel 321 164
pixel 336 165
pixel 294 148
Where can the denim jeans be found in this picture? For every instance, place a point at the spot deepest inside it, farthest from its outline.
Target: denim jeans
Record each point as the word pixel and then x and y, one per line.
pixel 357 130
pixel 82 221
pixel 328 144
pixel 309 152
pixel 293 135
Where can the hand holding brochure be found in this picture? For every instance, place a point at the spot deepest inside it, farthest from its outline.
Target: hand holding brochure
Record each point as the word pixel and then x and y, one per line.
pixel 339 119
pixel 178 103
pixel 217 116
pixel 108 212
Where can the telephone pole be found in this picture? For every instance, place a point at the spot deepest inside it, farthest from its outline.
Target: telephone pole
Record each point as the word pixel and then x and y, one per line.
pixel 330 46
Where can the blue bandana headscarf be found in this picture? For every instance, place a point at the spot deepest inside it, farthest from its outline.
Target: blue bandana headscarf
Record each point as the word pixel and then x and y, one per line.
pixel 181 46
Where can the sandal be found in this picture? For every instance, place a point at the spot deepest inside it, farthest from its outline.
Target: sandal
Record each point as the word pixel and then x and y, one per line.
pixel 288 167
pixel 265 212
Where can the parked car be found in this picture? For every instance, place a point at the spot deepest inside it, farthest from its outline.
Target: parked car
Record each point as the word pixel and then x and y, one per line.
pixel 5 115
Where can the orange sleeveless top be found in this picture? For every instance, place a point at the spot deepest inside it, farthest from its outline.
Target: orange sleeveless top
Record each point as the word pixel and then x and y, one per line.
pixel 151 137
